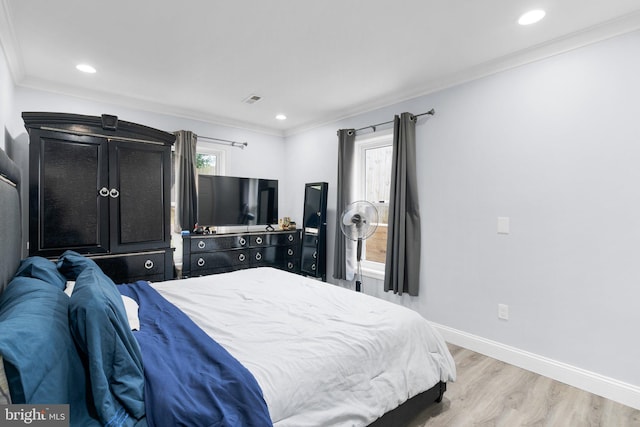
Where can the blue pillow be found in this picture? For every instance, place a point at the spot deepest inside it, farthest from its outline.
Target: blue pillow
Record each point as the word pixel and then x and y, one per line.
pixel 99 325
pixel 71 264
pixel 41 361
pixel 43 269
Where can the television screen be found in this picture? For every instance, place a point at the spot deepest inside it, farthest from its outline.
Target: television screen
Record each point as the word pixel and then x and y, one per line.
pixel 229 200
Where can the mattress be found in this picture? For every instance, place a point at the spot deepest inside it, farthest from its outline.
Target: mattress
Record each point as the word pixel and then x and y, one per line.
pixel 322 354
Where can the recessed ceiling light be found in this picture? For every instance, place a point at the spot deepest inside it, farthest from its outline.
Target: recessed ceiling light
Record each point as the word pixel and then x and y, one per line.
pixel 86 68
pixel 281 117
pixel 531 17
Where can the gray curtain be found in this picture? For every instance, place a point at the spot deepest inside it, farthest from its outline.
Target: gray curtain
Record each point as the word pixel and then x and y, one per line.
pixel 343 268
pixel 185 183
pixel 402 269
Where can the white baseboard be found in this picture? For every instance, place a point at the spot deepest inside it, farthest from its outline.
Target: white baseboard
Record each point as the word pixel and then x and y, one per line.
pixel 610 388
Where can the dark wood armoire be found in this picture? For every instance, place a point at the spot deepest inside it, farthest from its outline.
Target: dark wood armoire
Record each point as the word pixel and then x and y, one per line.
pixel 101 187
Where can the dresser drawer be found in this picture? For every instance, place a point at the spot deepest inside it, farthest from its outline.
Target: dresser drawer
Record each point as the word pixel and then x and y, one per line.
pixel 273 239
pixel 130 268
pixel 204 263
pixel 217 243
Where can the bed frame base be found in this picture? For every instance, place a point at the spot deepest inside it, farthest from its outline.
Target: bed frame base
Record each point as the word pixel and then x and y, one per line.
pixel 405 413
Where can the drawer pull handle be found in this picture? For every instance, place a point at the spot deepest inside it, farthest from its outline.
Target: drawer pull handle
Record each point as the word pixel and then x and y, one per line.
pixel 259 240
pixel 148 264
pixel 315 255
pixel 114 193
pixel 242 241
pixel 290 251
pixel 290 237
pixel 201 244
pixel 290 265
pixel 200 262
pixel 241 257
pixel 313 267
pixel 104 192
pixel 258 256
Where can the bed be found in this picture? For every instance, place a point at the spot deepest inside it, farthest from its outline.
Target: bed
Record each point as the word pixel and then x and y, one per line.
pixel 249 348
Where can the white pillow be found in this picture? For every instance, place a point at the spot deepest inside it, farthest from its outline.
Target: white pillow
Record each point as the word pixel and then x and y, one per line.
pixel 69 288
pixel 130 306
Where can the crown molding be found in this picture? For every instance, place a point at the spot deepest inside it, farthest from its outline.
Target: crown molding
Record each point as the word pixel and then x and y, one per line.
pixel 576 40
pixel 141 104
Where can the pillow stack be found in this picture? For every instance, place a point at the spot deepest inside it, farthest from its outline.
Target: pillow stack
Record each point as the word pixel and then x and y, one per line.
pixel 77 350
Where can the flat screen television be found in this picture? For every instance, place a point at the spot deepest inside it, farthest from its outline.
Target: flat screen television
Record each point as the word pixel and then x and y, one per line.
pixel 230 200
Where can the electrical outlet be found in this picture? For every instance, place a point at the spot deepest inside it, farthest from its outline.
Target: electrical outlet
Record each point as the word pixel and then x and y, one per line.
pixel 503 225
pixel 503 311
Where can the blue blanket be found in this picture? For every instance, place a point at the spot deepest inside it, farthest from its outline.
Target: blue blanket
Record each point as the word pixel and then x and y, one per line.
pixel 190 380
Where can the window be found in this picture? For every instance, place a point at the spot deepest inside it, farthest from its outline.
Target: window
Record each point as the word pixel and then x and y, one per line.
pixel 209 161
pixel 373 174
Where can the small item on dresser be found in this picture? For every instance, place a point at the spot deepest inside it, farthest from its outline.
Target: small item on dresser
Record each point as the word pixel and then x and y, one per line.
pixel 292 225
pixel 284 223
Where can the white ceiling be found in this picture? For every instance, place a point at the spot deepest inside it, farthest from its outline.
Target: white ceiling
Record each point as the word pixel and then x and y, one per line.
pixel 315 61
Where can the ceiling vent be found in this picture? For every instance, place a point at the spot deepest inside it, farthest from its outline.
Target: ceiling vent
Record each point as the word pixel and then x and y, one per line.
pixel 252 99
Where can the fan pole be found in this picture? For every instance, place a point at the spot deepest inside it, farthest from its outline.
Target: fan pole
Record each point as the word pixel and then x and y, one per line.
pixel 358 273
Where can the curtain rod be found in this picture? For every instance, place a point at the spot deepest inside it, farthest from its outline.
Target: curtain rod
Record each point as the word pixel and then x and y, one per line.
pixel 430 112
pixel 240 145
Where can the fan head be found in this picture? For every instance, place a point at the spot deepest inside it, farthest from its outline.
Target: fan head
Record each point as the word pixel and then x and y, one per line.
pixel 359 220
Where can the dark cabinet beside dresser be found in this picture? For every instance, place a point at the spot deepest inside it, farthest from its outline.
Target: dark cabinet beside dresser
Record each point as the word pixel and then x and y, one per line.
pixel 205 254
pixel 314 231
pixel 101 187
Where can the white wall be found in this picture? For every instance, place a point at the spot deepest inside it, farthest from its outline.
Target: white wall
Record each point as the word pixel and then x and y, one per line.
pixel 554 146
pixel 6 98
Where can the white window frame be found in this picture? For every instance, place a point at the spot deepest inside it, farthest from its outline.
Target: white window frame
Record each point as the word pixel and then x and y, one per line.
pixel 378 139
pixel 210 149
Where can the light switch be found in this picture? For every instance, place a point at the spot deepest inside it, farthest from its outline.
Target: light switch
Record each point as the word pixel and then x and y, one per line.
pixel 503 225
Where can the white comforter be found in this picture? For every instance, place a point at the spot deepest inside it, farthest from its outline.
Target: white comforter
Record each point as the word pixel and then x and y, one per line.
pixel 323 355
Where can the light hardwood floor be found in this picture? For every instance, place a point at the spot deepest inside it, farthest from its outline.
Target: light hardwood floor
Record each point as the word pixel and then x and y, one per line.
pixel 493 393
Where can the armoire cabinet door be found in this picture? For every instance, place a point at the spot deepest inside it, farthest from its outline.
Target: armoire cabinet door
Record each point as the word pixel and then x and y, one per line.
pixel 141 176
pixel 67 211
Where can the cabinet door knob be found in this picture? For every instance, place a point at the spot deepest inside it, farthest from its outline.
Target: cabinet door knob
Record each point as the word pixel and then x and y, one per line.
pixel 201 244
pixel 104 192
pixel 114 193
pixel 290 265
pixel 242 241
pixel 241 257
pixel 290 237
pixel 259 240
pixel 200 262
pixel 290 251
pixel 315 255
pixel 258 256
pixel 313 267
pixel 148 264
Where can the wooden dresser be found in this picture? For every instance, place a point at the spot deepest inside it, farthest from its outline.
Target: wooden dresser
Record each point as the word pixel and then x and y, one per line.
pixel 204 254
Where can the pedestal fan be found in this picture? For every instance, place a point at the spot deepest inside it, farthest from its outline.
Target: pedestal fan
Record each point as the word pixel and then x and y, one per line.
pixel 359 222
